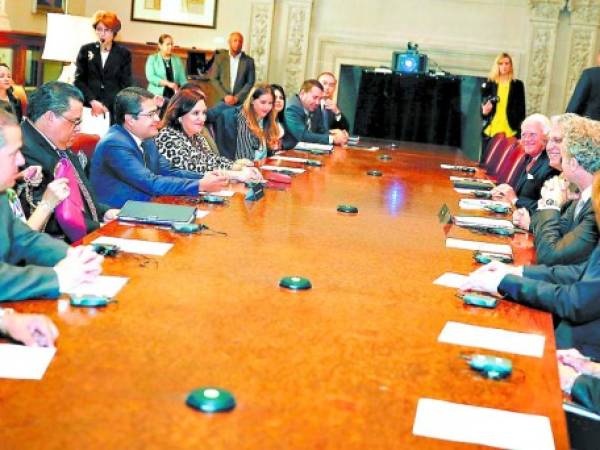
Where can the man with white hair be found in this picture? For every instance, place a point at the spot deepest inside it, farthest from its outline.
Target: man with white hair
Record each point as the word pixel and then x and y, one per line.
pixel 525 192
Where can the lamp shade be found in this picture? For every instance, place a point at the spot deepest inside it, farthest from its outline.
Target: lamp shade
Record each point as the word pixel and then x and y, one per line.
pixel 65 34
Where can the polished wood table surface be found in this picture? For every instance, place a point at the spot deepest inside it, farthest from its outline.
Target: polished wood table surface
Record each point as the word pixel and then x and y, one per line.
pixel 340 366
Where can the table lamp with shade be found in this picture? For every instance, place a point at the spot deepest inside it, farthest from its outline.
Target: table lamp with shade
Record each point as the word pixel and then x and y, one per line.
pixel 65 34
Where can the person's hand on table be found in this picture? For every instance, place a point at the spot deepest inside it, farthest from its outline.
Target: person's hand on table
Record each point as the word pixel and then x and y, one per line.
pixel 504 192
pixel 574 359
pixel 31 329
pixel 521 218
pixel 248 174
pixel 567 375
pixel 340 137
pixel 213 181
pixel 81 265
pixel 111 214
pixel 487 278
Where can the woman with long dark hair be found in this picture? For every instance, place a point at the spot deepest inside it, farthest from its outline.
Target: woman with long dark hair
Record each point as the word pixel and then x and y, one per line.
pixel 286 140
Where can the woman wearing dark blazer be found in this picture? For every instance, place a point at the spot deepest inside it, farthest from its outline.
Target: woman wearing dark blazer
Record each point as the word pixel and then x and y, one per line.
pixel 103 67
pixel 286 140
pixel 503 100
pixel 8 101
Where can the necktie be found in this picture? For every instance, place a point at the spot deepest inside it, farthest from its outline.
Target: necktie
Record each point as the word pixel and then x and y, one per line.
pixel 308 121
pixel 578 208
pixel 530 164
pixel 82 189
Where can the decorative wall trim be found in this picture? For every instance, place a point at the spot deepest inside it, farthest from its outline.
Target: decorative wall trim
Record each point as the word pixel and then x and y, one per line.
pixel 544 15
pixel 296 50
pixel 4 22
pixel 261 26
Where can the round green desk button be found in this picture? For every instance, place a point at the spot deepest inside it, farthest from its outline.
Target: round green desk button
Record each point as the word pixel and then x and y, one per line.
pixel 211 399
pixel 347 209
pixel 214 199
pixel 375 173
pixel 295 283
pixel 384 157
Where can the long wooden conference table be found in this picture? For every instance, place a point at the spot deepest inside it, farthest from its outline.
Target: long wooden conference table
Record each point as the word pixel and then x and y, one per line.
pixel 339 366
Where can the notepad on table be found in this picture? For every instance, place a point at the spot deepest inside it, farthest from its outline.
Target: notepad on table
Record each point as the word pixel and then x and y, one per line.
pixel 23 362
pixel 312 146
pixel 485 426
pixel 475 221
pixel 104 286
pixel 136 245
pixel 290 159
pixel 451 280
pixel 480 204
pixel 505 249
pixel 283 169
pixel 527 344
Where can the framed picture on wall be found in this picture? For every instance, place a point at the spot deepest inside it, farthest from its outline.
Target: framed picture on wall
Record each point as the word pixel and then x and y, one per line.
pixel 193 13
pixel 46 6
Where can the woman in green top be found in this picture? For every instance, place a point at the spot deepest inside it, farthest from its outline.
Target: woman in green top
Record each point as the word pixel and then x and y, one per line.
pixel 503 100
pixel 165 72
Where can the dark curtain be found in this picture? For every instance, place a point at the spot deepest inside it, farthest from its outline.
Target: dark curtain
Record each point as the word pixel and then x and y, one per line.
pixel 418 108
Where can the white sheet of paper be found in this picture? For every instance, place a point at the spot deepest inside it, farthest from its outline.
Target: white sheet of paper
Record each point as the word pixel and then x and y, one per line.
pixel 136 245
pixel 281 168
pixel 289 158
pixel 311 146
pixel 453 166
pixel 201 213
pixel 468 191
pixel 527 344
pixel 105 286
pixel 479 203
pixel 223 193
pixel 451 280
pixel 479 180
pixel 24 363
pixel 505 249
pixel 94 124
pixel 364 149
pixel 483 221
pixel 486 426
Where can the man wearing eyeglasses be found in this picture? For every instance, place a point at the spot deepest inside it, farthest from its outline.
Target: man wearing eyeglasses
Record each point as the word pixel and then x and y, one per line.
pixel 127 165
pixel 54 116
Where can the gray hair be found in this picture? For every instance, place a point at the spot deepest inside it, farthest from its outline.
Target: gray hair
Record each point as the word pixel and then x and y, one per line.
pixel 541 120
pixel 6 120
pixel 54 96
pixel 582 136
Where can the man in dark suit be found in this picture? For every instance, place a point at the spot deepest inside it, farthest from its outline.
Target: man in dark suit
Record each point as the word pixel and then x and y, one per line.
pixel 570 292
pixel 565 232
pixel 103 67
pixel 328 112
pixel 525 192
pixel 54 117
pixel 126 164
pixel 32 264
pixel 585 100
pixel 232 73
pixel 300 114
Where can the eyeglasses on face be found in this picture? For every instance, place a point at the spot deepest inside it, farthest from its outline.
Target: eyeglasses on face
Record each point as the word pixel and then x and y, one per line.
pixel 153 113
pixel 74 122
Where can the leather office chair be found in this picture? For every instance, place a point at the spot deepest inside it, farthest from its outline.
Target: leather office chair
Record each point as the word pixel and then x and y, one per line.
pixel 512 165
pixel 85 143
pixel 491 148
pixel 500 153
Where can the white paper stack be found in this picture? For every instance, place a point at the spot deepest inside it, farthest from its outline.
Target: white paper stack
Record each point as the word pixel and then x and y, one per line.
pixel 283 169
pixel 24 363
pixel 480 204
pixel 473 221
pixel 313 146
pixel 104 286
pixel 136 246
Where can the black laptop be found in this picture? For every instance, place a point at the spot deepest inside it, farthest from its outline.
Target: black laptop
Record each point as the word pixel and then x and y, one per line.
pixel 156 213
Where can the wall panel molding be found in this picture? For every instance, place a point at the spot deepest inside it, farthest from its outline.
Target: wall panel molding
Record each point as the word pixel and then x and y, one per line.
pixel 261 26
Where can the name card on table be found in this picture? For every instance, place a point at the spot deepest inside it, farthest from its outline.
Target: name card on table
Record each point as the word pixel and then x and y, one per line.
pixel 485 426
pixel 505 249
pixel 102 286
pixel 451 280
pixel 283 169
pixel 527 344
pixel 24 363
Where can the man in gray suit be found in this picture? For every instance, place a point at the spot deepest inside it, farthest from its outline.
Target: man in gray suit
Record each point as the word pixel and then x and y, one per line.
pixel 32 264
pixel 232 73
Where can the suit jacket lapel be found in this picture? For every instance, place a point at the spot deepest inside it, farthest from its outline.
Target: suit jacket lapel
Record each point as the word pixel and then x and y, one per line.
pixel 97 60
pixel 240 71
pixel 227 72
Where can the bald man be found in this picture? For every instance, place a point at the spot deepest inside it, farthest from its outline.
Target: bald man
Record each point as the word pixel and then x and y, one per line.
pixel 232 73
